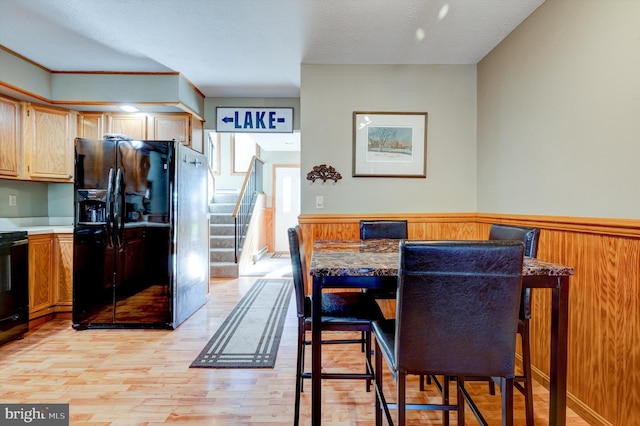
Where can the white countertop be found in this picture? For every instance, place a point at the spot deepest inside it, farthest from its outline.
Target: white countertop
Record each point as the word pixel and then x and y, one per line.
pixel 38 225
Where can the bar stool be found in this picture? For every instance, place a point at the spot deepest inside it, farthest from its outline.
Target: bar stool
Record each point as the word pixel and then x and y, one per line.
pixel 388 229
pixel 457 316
pixel 343 311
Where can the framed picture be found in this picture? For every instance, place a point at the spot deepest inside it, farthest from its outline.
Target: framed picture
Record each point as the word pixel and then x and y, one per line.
pixel 390 144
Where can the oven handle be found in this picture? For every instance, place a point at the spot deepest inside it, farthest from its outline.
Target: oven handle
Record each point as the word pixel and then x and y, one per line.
pixel 8 244
pixel 14 317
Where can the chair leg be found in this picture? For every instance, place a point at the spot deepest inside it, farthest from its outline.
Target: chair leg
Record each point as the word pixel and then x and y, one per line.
pixel 526 368
pixel 507 401
pixel 401 391
pixel 368 355
pixel 299 370
pixel 445 400
pixel 378 380
pixel 492 387
pixel 460 399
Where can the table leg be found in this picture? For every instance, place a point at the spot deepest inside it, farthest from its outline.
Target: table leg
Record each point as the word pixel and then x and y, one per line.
pixel 558 368
pixel 316 352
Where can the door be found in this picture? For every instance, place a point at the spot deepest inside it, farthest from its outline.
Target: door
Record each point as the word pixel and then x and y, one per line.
pixel 141 288
pixel 286 203
pixel 93 251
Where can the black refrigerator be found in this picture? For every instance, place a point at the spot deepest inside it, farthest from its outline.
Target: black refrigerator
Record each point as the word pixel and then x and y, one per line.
pixel 141 233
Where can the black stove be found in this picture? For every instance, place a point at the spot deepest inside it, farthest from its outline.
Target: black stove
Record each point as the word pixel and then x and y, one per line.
pixel 12 235
pixel 14 285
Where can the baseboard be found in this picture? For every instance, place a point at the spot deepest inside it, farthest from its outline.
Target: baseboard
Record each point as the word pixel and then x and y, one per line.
pixel 260 254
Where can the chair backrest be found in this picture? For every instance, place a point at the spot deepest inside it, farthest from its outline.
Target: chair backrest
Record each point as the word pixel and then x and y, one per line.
pixel 298 266
pixel 528 236
pixel 370 229
pixel 457 307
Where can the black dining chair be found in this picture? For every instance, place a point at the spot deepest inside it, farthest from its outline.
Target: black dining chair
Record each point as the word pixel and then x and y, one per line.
pixel 341 311
pixel 529 237
pixel 457 315
pixel 370 229
pixel 388 229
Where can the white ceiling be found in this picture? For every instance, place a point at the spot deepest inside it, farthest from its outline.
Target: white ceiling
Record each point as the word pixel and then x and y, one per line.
pixel 253 48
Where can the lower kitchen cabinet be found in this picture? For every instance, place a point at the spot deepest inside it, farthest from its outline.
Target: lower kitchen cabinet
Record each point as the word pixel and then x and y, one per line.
pixel 50 276
pixel 41 294
pixel 63 279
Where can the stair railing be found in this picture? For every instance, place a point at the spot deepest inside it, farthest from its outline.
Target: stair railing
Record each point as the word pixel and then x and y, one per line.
pixel 251 186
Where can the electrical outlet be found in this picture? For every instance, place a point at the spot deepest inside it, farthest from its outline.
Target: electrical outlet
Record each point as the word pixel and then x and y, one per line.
pixel 13 200
pixel 319 202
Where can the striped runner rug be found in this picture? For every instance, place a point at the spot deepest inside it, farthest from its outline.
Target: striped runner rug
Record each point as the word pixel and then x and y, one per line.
pixel 250 336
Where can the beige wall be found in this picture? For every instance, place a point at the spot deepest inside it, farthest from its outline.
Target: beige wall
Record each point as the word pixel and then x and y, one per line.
pixel 559 113
pixel 331 93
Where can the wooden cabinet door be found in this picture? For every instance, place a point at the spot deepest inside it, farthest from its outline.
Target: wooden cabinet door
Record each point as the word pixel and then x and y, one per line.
pixel 133 126
pixel 167 127
pixel 10 141
pixel 63 279
pixel 197 134
pixel 48 144
pixel 91 125
pixel 40 275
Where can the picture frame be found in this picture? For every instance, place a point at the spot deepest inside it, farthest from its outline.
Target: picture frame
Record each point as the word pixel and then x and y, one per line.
pixel 390 144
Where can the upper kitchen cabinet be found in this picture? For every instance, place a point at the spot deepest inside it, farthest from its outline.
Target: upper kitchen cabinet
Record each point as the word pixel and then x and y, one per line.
pixel 167 127
pixel 182 127
pixel 133 126
pixel 48 143
pixel 10 143
pixel 91 125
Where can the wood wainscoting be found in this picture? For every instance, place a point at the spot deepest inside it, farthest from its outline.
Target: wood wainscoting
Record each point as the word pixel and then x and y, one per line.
pixel 604 312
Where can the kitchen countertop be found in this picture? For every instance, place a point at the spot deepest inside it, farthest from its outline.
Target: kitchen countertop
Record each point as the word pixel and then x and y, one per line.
pixel 38 225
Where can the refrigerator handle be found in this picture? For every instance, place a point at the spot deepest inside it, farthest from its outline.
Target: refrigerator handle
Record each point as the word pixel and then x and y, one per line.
pixel 109 208
pixel 118 217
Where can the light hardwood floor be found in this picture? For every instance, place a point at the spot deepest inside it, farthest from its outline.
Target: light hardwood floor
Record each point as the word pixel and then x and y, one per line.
pixel 142 377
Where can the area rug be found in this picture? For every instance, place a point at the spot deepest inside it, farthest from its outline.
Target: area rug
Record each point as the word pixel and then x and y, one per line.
pixel 250 336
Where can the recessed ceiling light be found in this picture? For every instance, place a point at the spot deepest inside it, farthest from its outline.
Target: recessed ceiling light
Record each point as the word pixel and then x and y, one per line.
pixel 128 108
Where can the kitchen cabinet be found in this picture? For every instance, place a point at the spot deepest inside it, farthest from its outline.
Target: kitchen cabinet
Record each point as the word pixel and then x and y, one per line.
pixel 183 127
pixel 50 276
pixel 91 125
pixel 48 143
pixel 41 291
pixel 133 126
pixel 167 127
pixel 63 273
pixel 10 138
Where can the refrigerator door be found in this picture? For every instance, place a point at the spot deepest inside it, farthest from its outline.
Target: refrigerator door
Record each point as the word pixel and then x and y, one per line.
pixel 143 231
pixel 93 252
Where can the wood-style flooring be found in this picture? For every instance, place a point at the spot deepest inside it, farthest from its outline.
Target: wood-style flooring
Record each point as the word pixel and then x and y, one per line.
pixel 142 377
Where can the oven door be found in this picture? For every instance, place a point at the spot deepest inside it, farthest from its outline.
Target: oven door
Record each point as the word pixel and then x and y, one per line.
pixel 14 288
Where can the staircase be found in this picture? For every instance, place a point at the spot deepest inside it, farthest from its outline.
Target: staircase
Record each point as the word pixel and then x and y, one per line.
pixel 222 236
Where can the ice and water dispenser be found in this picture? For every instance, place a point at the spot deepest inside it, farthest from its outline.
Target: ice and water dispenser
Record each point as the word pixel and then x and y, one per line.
pixel 92 206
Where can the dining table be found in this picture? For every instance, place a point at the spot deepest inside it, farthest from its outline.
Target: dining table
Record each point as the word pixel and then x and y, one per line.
pixel 362 264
